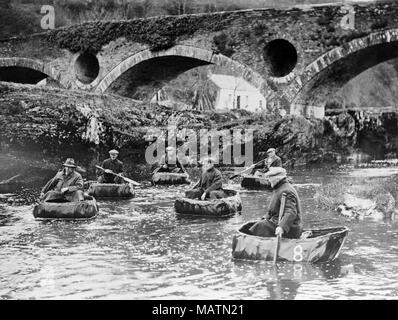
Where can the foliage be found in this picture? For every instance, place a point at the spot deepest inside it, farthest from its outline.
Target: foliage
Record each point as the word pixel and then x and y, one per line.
pixel 384 192
pixel 326 19
pixel 70 12
pixel 159 32
pixel 329 196
pixel 379 24
pixel 16 23
pixel 224 44
pixel 334 103
pixel 355 34
pixel 5 4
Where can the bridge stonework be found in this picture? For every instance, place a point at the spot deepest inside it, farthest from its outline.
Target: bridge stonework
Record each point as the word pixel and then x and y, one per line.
pixel 295 56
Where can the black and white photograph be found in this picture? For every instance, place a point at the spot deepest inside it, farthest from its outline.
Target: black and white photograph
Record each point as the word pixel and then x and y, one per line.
pixel 197 154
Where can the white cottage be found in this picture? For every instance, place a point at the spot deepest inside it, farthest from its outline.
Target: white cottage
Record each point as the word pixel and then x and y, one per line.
pixel 237 93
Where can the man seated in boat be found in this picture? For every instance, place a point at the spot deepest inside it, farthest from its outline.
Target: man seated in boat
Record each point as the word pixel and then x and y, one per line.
pixel 67 185
pixel 112 164
pixel 169 162
pixel 290 225
pixel 272 160
pixel 210 184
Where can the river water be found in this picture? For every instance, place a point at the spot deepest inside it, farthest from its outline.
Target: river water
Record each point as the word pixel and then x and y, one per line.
pixel 139 249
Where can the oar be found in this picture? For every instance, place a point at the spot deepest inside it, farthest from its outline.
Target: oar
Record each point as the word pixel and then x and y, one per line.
pixel 196 184
pixel 240 173
pixel 281 209
pixel 9 180
pixel 118 175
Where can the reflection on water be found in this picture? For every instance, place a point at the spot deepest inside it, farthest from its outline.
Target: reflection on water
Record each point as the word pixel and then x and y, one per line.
pixel 139 249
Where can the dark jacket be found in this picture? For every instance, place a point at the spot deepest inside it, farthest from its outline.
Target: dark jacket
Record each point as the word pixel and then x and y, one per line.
pixel 73 182
pixel 264 166
pixel 291 217
pixel 115 165
pixel 211 180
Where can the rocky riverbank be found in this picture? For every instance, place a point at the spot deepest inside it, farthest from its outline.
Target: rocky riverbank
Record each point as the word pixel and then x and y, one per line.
pixel 41 126
pixel 374 198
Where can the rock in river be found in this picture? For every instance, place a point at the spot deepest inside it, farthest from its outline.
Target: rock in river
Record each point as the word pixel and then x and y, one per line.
pixel 359 208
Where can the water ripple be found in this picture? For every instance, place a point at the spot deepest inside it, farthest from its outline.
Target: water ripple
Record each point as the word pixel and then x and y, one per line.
pixel 139 249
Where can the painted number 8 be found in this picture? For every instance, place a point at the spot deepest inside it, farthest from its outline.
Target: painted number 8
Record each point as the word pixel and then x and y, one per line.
pixel 298 253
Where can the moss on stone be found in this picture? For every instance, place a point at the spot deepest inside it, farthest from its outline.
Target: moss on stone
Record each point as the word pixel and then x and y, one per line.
pixel 158 32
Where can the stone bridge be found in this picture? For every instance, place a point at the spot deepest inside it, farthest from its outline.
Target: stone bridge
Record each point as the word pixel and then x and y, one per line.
pixel 294 57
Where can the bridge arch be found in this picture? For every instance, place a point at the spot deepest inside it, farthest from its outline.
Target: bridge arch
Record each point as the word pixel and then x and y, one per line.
pixel 332 70
pixel 25 70
pixel 159 67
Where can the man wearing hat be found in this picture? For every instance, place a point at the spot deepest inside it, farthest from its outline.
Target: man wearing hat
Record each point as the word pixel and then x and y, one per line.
pixel 66 185
pixel 210 184
pixel 290 225
pixel 166 162
pixel 112 164
pixel 272 160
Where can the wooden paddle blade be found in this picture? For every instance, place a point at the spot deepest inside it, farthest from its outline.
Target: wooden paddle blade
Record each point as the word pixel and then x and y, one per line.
pixel 281 210
pixel 124 178
pixel 243 171
pixel 132 182
pixel 276 249
pixel 128 180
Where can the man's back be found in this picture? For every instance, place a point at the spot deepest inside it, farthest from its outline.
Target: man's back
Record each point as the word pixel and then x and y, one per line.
pixel 275 162
pixel 292 211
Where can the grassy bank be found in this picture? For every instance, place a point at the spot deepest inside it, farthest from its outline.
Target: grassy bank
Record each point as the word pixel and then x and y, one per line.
pixel 382 191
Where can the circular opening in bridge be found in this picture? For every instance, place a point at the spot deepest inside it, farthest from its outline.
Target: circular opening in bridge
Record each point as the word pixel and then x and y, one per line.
pixel 86 68
pixel 280 56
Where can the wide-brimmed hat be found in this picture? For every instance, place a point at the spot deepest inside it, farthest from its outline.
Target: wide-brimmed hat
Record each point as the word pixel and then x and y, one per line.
pixel 113 152
pixel 70 163
pixel 275 174
pixel 270 150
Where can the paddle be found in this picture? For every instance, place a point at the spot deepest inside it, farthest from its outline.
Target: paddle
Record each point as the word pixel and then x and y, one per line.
pixel 281 209
pixel 195 185
pixel 240 173
pixel 9 180
pixel 118 175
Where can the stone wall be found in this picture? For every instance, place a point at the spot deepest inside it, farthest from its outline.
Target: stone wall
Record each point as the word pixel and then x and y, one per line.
pixel 245 36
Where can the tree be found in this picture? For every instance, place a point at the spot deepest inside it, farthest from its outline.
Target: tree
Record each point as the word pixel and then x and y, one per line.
pixel 178 7
pixel 5 4
pixel 140 9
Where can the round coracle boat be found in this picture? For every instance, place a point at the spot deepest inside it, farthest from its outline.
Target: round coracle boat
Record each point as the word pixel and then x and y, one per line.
pixel 110 191
pixel 252 182
pixel 86 209
pixel 165 178
pixel 217 208
pixel 320 245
